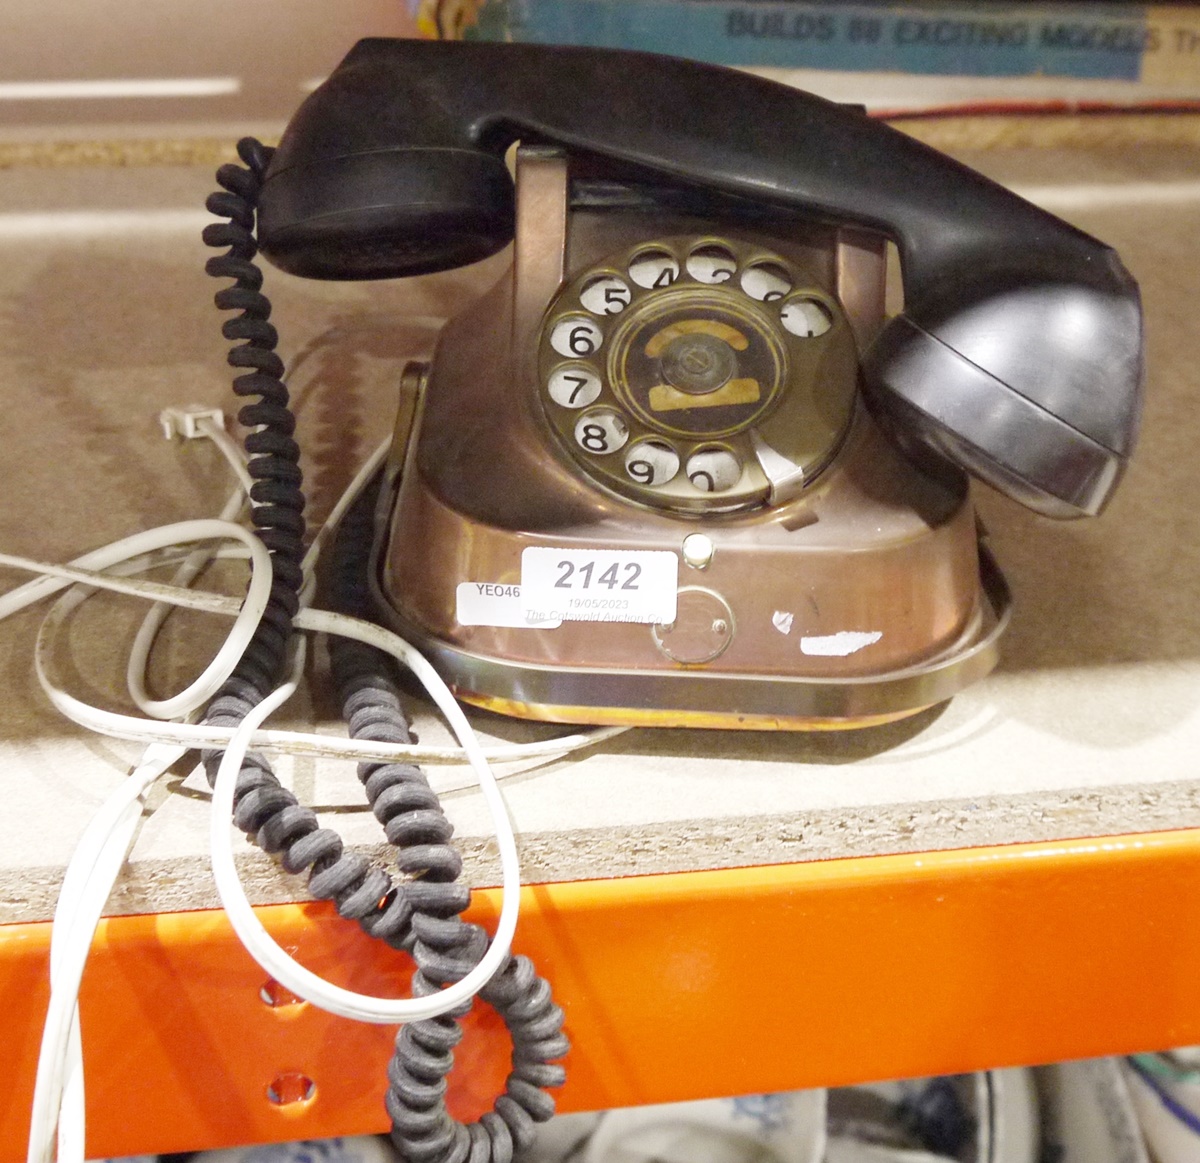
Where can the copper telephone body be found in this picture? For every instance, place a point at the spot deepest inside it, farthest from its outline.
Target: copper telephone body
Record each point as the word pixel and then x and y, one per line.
pixel 859 543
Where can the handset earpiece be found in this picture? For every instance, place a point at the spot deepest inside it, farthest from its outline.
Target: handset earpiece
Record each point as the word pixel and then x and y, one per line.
pixel 1019 352
pixel 387 214
pixel 370 182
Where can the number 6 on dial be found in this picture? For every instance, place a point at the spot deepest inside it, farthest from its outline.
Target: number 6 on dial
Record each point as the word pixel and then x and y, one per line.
pixel 577 337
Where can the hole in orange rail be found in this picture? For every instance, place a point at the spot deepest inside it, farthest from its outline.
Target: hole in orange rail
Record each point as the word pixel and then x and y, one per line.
pixel 290 1087
pixel 276 995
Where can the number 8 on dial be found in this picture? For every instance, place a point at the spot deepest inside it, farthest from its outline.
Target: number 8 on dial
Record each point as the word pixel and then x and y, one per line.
pixel 601 432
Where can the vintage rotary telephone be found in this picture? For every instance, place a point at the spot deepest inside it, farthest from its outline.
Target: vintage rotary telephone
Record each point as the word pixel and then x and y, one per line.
pixel 638 483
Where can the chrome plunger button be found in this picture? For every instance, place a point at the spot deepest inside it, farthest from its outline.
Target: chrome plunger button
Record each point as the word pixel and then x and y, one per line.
pixel 698 550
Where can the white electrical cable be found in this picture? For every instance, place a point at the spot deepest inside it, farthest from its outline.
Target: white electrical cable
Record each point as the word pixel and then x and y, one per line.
pixel 72 1113
pixel 164 536
pixel 234 454
pixel 90 875
pixel 109 837
pixel 259 943
pixel 139 653
pixel 301 981
pixel 140 730
pixel 361 479
pixel 194 735
pixel 97 860
pixel 196 420
pixel 101 853
pixel 117 579
pixel 198 736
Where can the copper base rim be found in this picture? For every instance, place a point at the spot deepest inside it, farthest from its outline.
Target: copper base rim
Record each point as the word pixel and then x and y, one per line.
pixel 708 699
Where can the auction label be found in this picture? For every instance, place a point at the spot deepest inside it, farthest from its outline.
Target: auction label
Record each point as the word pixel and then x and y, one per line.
pixel 600 585
pixel 495 604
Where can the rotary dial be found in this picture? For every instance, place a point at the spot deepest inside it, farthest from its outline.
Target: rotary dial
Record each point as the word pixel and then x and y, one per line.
pixel 697 374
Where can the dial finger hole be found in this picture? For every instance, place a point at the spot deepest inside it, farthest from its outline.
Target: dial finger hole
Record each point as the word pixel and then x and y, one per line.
pixel 711 264
pixel 573 386
pixel 713 470
pixel 766 281
pixel 806 318
pixel 606 295
pixel 654 268
pixel 651 462
pixel 601 432
pixel 576 336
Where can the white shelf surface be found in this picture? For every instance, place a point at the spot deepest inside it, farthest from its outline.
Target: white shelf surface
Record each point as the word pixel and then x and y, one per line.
pixel 1091 725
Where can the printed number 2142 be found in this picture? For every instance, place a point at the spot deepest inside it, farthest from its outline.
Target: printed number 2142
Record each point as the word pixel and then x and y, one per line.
pixel 580 576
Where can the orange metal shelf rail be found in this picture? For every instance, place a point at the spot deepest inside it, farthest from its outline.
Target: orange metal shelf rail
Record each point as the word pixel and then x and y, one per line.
pixel 674 986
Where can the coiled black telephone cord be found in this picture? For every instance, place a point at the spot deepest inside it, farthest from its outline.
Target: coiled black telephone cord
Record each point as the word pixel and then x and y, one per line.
pixel 421 913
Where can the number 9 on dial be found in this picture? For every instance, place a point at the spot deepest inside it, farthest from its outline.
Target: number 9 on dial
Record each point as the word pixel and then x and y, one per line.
pixel 650 463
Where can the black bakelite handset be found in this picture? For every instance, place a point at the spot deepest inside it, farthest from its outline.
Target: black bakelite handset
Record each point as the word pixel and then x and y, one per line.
pixel 1018 354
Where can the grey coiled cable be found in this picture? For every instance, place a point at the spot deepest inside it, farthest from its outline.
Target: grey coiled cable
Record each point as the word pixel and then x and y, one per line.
pixel 420 913
pixel 445 947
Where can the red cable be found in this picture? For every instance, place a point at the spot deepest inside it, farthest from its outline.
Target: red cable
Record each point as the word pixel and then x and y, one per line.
pixel 1050 108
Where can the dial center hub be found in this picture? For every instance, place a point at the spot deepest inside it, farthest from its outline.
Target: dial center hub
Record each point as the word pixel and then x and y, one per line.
pixel 698 363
